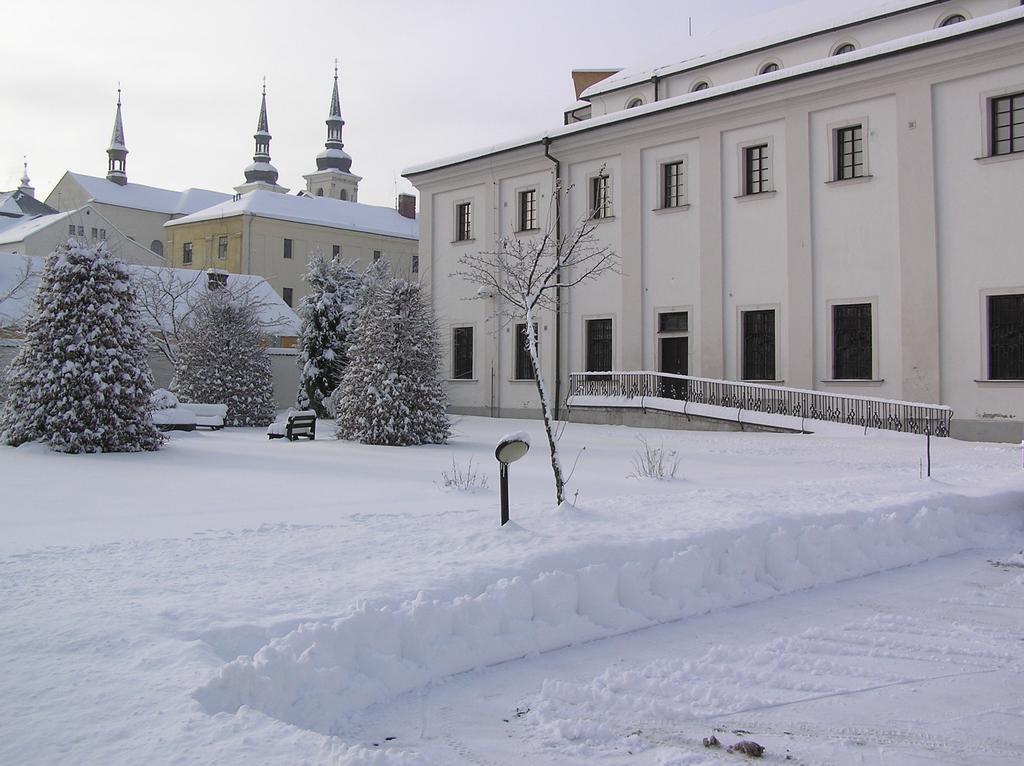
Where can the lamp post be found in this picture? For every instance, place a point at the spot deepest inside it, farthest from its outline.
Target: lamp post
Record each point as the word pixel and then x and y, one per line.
pixel 509 450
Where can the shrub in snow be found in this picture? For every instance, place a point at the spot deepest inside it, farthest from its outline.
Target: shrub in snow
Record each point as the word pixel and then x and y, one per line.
pixel 651 462
pixel 391 392
pixel 81 381
pixel 464 479
pixel 162 399
pixel 328 314
pixel 222 359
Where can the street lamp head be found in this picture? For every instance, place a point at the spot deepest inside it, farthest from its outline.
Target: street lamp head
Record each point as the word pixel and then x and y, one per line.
pixel 512 447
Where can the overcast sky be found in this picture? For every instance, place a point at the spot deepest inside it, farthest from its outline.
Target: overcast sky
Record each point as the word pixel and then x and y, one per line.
pixel 419 80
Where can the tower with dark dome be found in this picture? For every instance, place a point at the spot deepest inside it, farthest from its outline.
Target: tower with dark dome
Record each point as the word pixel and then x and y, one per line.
pixel 261 174
pixel 333 176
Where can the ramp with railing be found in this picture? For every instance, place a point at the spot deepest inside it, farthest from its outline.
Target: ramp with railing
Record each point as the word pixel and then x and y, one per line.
pixel 793 408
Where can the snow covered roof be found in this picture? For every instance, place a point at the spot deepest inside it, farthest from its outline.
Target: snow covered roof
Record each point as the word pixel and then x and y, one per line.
pixel 320 211
pixel 751 33
pixel 17 204
pixel 832 62
pixel 26 227
pixel 277 316
pixel 150 198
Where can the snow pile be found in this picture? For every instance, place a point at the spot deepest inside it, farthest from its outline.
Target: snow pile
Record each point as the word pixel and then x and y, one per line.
pixel 319 673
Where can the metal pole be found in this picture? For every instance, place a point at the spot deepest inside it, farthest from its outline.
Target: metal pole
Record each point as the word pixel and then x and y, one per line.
pixel 504 494
pixel 929 452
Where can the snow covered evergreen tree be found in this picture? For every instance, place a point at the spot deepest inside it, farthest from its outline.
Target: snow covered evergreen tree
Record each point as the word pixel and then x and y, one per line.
pixel 222 359
pixel 328 314
pixel 391 392
pixel 81 380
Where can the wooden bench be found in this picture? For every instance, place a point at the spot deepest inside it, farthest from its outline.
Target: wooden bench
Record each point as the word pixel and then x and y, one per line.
pixel 301 423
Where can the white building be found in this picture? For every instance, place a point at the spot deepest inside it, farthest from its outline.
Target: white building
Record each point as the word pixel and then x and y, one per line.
pixel 833 206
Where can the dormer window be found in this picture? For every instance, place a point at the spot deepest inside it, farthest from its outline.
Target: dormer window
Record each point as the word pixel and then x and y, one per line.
pixel 844 48
pixel 634 102
pixel 768 68
pixel 949 21
pixel 700 85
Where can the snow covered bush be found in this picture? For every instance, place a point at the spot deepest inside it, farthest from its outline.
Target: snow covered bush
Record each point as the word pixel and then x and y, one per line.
pixel 650 462
pixel 464 479
pixel 162 399
pixel 81 380
pixel 328 314
pixel 391 391
pixel 222 359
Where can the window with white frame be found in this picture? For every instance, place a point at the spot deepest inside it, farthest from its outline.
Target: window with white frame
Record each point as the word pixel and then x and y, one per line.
pixel 222 248
pixel 1005 336
pixel 844 48
pixel 600 196
pixel 852 341
pixel 462 353
pixel 599 345
pixel 756 169
pixel 464 222
pixel 1006 117
pixel 527 210
pixel 673 184
pixel 848 142
pixel 758 344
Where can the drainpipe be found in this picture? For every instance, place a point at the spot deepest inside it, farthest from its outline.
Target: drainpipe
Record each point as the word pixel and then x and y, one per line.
pixel 655 79
pixel 558 276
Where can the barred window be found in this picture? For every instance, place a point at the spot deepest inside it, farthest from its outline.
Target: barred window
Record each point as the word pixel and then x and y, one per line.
pixel 1007 124
pixel 415 264
pixel 756 172
pixel 186 252
pixel 759 344
pixel 463 221
pixel 849 152
pixel 600 197
pixel 524 364
pixel 674 184
pixel 851 342
pixel 599 345
pixel 528 210
pixel 1006 337
pixel 462 353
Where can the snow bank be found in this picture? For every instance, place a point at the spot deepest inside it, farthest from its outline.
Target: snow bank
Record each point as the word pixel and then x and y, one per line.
pixel 319 673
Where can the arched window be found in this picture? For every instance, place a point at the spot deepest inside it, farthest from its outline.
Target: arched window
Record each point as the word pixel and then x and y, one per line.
pixel 768 68
pixel 343 195
pixel 844 48
pixel 701 85
pixel 634 102
pixel 157 247
pixel 956 18
pixel 319 192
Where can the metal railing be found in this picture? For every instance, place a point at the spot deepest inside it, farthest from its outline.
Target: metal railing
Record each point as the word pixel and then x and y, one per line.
pixel 863 411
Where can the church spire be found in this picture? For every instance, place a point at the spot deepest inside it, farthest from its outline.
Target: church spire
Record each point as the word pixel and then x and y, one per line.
pixel 261 174
pixel 117 152
pixel 26 183
pixel 335 158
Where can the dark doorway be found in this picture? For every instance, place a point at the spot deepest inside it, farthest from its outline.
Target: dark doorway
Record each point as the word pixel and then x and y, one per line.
pixel 674 353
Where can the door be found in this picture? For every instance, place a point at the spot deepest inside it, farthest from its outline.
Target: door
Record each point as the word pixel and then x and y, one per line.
pixel 675 354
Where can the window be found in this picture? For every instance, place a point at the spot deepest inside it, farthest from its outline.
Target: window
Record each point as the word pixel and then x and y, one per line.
pixel 759 344
pixel 768 68
pixel 851 342
pixel 528 210
pixel 844 48
pixel 156 245
pixel 849 144
pixel 673 321
pixel 103 235
pixel 343 195
pixel 599 345
pixel 673 180
pixel 701 85
pixel 71 230
pixel 1006 337
pixel 376 255
pixel 1007 120
pixel 186 253
pixel 335 251
pixel 600 197
pixel 462 353
pixel 286 294
pixel 956 18
pixel 319 192
pixel 464 222
pixel 95 233
pixel 756 179
pixel 215 280
pixel 635 102
pixel 222 248
pixel 524 364
pixel 287 248
pixel 415 264
pixel 673 352
pixel 81 231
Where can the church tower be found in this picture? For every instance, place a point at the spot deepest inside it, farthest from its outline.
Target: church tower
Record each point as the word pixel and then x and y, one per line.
pixel 333 176
pixel 261 174
pixel 26 187
pixel 117 153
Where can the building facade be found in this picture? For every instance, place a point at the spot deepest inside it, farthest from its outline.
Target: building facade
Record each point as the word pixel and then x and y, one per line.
pixel 834 209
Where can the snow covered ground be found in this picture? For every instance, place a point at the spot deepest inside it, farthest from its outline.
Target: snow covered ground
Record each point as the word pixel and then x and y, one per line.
pixel 234 600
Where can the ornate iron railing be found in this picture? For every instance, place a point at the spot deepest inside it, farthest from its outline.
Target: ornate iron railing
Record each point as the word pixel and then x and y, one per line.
pixel 863 411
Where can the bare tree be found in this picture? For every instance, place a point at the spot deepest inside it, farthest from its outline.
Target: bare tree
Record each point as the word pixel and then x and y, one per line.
pixel 17 290
pixel 168 297
pixel 527 273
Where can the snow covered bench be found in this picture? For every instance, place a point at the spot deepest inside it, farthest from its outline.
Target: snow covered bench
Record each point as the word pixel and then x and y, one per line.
pixel 171 415
pixel 207 415
pixel 297 423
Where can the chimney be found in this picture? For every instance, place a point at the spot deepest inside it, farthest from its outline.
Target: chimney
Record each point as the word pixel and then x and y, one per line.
pixel 407 205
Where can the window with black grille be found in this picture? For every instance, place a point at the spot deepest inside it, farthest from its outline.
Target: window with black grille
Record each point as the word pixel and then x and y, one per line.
pixel 462 353
pixel 849 152
pixel 1006 337
pixel 759 344
pixel 600 197
pixel 599 345
pixel 527 210
pixel 851 342
pixel 756 177
pixel 673 190
pixel 463 221
pixel 1007 124
pixel 524 364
